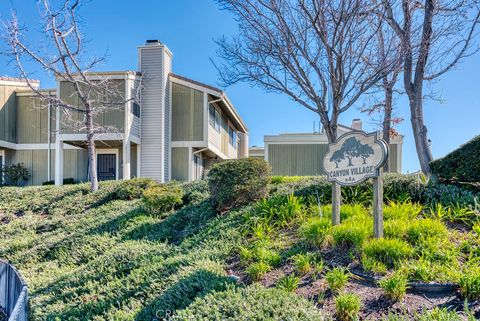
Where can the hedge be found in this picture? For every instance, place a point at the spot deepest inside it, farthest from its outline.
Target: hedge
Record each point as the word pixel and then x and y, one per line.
pixel 397 188
pixel 463 164
pixel 237 182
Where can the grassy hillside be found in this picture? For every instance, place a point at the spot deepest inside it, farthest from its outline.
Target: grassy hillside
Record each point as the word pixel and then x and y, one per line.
pixel 87 257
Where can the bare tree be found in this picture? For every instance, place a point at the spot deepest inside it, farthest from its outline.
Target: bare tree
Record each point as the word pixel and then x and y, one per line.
pixel 318 52
pixel 435 35
pixel 63 56
pixel 387 44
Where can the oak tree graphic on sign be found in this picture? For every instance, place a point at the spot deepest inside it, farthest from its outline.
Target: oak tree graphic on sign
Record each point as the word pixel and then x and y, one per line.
pixel 351 148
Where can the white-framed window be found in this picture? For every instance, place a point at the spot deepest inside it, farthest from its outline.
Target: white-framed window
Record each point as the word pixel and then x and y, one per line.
pixel 232 136
pixel 214 118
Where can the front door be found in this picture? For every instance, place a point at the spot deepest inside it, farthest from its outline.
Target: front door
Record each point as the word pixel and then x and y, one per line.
pixel 107 167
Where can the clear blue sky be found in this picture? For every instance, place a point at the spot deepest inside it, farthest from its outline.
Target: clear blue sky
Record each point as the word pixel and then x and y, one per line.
pixel 188 28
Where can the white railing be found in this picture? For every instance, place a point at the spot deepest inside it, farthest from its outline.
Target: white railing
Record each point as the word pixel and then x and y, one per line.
pixel 13 293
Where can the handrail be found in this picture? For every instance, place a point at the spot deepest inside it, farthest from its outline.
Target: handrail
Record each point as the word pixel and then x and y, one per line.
pixel 13 292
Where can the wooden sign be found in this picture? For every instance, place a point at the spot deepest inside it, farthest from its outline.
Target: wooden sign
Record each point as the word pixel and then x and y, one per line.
pixel 354 157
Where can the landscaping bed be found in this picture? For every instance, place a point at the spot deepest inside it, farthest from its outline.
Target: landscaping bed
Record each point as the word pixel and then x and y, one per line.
pixel 110 255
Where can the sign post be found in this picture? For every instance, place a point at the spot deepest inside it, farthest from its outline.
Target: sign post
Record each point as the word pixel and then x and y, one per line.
pixel 353 158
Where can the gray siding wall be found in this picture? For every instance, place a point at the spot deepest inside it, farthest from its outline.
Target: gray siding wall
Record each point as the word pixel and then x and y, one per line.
pixel 392 158
pixel 8 129
pixel 307 159
pixel 32 121
pixel 187 114
pixel 35 161
pixel 180 163
pixel 297 159
pixel 112 119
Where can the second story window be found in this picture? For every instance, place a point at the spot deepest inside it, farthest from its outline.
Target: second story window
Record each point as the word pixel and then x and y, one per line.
pixel 214 118
pixel 136 109
pixel 232 137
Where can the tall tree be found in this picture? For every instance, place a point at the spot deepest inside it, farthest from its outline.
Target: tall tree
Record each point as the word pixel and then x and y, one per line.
pixel 435 35
pixel 62 55
pixel 320 53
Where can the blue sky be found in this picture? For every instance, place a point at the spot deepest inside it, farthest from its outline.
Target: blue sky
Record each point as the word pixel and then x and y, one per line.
pixel 188 28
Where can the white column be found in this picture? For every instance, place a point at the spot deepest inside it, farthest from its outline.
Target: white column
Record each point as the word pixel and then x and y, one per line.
pixel 126 159
pixel 139 166
pixel 58 147
pixel 58 161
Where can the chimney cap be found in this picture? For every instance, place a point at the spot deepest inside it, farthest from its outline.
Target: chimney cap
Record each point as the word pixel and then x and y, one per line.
pixel 153 42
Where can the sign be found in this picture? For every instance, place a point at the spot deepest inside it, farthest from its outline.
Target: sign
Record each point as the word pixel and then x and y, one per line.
pixel 354 157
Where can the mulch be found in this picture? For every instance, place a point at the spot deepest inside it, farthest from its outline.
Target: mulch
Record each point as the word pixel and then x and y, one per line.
pixel 375 305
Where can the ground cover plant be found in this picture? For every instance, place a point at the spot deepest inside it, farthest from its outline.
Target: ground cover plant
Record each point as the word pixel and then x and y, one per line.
pixel 108 256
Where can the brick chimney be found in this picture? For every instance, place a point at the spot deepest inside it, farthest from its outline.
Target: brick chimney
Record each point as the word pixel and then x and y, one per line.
pixel 356 124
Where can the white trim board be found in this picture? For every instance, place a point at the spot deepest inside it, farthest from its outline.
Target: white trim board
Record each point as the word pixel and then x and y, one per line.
pixel 13 146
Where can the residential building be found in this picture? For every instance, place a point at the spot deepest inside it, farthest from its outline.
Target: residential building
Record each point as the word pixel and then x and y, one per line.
pixel 301 154
pixel 175 130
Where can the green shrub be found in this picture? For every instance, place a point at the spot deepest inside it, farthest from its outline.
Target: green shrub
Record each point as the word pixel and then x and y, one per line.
pixel 404 210
pixel 462 164
pixel 476 228
pixel 253 303
pixel 351 233
pixel 439 314
pixel 314 230
pixel 302 263
pixel 387 251
pixel 132 188
pixel 371 265
pixel 162 198
pixel 337 278
pixel 395 286
pixel 195 192
pixel 287 179
pixel 262 253
pixel 288 283
pixel 318 267
pixel 257 270
pixel 348 306
pixel 237 182
pixel 447 195
pixel 469 283
pixel 423 229
pixel 396 228
pixel 66 181
pixel 14 174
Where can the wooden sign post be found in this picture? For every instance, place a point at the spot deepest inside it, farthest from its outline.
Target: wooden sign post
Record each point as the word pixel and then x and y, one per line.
pixel 353 158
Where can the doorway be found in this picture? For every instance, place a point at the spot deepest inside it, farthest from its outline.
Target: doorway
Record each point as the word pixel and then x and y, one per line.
pixel 107 167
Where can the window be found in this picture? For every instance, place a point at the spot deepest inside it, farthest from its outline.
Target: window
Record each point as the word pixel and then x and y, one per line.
pixel 232 137
pixel 214 118
pixel 136 109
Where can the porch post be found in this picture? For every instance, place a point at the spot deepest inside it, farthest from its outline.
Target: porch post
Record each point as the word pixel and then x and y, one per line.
pixel 58 161
pixel 126 159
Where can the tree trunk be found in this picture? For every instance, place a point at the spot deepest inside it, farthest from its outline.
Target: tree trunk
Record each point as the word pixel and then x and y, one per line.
pixel 336 188
pixel 387 119
pixel 420 134
pixel 92 171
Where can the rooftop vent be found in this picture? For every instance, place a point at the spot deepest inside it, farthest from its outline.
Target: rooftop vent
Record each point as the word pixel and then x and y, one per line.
pixel 152 42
